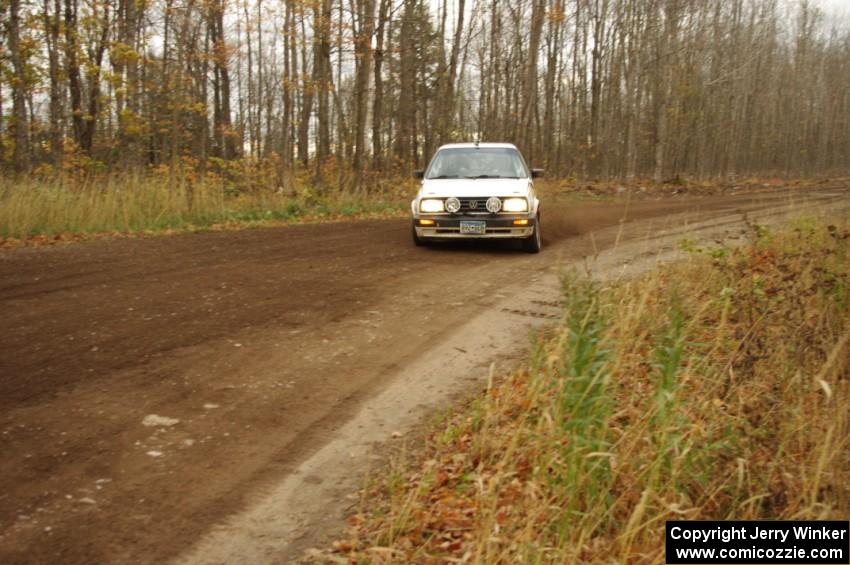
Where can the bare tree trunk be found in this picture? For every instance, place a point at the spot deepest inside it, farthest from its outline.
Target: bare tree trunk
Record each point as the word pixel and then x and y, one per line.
pixel 363 60
pixel 378 101
pixel 288 81
pixel 553 50
pixel 251 106
pixel 446 94
pixel 73 70
pixel 668 57
pixel 529 98
pixel 406 114
pixel 308 87
pixel 599 19
pixel 322 70
pixel 52 26
pixel 633 92
pixel 227 140
pixel 260 85
pixel 123 56
pixel 343 141
pixel 20 125
pixel 91 121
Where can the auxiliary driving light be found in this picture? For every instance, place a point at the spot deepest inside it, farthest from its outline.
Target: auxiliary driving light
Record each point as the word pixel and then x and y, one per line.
pixel 426 222
pixel 453 205
pixel 520 222
pixel 515 205
pixel 493 205
pixel 431 206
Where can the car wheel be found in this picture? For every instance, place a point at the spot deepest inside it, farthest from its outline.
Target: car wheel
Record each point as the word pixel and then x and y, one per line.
pixel 533 243
pixel 418 241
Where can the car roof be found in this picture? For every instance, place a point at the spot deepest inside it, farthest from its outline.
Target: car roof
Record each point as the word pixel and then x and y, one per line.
pixel 466 145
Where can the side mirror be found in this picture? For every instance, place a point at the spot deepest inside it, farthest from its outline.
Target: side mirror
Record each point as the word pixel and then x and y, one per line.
pixel 419 174
pixel 536 173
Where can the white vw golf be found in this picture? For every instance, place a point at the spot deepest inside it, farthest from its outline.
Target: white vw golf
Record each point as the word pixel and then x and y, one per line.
pixel 477 190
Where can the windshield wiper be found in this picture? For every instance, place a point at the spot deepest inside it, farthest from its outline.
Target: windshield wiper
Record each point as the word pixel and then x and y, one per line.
pixel 443 177
pixel 490 177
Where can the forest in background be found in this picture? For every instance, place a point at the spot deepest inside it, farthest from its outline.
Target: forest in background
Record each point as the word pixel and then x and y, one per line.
pixel 351 89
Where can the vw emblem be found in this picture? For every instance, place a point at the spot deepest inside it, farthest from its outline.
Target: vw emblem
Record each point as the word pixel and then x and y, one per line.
pixel 473 204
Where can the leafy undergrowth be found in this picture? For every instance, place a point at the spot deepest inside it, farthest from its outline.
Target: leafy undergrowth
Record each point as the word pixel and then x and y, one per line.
pixel 44 212
pixel 714 388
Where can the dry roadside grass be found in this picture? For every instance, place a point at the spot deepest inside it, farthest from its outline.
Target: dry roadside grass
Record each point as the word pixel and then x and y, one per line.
pixel 44 211
pixel 715 388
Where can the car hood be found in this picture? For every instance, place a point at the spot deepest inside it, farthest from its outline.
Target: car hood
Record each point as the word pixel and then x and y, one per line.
pixel 443 188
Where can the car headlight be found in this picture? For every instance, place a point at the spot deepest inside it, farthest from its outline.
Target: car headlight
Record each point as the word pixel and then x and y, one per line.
pixel 453 205
pixel 494 205
pixel 515 205
pixel 432 205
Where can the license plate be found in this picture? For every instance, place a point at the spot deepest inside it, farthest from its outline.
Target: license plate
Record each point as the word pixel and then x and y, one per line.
pixel 473 228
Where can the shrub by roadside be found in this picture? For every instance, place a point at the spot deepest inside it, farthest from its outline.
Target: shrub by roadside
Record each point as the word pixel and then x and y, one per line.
pixel 714 388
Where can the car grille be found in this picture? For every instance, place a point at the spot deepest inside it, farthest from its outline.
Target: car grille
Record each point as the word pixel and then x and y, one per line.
pixel 473 205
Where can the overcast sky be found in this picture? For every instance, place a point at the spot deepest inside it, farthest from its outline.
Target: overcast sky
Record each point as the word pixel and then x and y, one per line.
pixel 836 6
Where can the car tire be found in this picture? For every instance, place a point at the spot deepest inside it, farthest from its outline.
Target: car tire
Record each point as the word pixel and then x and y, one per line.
pixel 533 243
pixel 418 241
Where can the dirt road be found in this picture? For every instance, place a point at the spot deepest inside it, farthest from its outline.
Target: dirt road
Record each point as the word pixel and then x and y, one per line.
pixel 253 347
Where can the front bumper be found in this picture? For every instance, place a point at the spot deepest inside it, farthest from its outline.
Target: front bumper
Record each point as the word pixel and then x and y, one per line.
pixel 498 226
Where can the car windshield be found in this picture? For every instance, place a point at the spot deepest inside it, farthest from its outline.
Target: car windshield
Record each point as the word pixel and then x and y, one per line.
pixel 477 163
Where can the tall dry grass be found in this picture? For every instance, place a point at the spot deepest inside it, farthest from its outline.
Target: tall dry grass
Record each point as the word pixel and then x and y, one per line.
pixel 132 203
pixel 715 388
